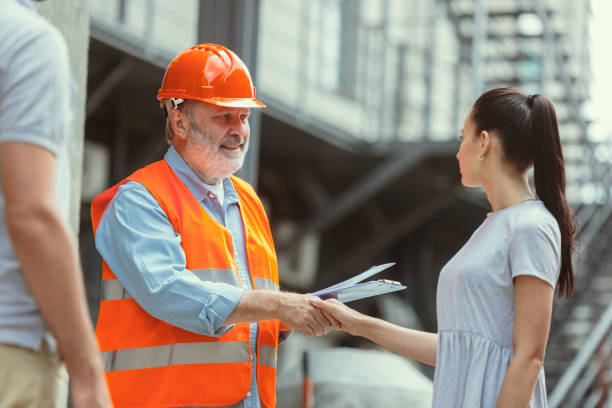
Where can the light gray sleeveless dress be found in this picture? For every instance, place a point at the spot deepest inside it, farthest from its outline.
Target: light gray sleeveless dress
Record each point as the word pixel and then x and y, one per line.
pixel 475 303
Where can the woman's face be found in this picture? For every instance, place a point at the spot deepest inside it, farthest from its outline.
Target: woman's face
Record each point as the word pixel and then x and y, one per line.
pixel 469 166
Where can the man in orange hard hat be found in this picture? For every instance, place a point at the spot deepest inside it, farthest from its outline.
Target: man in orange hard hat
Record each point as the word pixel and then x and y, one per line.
pixel 191 308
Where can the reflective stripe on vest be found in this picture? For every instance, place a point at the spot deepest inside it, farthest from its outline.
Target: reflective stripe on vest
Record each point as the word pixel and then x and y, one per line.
pixel 174 354
pixel 263 283
pixel 112 289
pixel 267 355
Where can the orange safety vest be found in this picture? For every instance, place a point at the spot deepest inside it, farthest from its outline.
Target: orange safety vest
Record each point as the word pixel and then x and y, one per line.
pixel 151 363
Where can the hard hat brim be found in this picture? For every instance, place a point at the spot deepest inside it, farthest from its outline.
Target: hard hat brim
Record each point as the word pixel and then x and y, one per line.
pixel 235 102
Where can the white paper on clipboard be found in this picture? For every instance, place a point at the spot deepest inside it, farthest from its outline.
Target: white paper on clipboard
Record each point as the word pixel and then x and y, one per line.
pixel 351 289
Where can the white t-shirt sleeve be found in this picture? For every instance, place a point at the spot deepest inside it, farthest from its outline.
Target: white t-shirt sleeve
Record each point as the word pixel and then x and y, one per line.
pixel 35 91
pixel 535 250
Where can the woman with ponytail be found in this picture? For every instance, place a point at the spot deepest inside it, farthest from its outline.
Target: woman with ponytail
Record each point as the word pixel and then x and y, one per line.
pixel 495 296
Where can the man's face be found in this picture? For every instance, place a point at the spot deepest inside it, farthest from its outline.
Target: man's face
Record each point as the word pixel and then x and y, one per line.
pixel 218 139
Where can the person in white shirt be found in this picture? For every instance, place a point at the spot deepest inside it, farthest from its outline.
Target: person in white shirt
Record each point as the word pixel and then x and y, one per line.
pixel 43 313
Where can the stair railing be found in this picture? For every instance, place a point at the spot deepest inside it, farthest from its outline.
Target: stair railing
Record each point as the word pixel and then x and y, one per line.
pixel 586 369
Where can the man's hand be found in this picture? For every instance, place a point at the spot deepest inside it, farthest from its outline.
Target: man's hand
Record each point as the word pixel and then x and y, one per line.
pixel 342 317
pixel 292 309
pixel 297 313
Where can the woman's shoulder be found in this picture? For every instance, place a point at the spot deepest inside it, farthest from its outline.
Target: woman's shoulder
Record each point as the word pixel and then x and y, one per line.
pixel 534 218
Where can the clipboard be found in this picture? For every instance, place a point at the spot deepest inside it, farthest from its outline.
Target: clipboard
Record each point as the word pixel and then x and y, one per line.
pixel 351 289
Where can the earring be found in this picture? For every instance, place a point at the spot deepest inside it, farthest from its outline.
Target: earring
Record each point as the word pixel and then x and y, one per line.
pixel 480 157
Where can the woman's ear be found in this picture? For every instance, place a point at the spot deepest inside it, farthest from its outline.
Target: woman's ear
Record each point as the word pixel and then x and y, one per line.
pixel 484 143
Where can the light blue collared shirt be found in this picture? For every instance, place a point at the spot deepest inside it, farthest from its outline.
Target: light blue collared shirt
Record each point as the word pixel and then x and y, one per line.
pixel 139 244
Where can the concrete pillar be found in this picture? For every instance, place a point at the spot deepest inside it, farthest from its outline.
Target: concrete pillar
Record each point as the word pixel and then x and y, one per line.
pixel 71 17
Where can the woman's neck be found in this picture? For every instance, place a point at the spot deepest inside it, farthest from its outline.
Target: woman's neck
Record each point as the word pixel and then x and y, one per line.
pixel 504 190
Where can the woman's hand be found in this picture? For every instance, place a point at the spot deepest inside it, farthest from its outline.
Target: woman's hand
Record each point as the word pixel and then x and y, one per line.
pixel 341 317
pixel 415 344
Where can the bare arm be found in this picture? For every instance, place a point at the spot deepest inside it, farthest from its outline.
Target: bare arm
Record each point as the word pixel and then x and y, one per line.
pixel 414 344
pixel 49 264
pixel 533 308
pixel 292 309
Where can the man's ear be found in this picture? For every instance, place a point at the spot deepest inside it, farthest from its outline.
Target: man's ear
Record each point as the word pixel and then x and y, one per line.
pixel 179 124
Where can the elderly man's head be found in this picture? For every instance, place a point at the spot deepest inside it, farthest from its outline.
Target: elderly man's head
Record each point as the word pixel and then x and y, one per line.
pixel 208 93
pixel 213 140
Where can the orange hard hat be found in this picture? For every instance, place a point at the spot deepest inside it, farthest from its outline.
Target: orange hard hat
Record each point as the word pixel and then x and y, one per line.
pixel 210 73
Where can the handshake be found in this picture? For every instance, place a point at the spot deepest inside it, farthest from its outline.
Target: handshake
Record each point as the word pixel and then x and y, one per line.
pixel 309 313
pixel 315 317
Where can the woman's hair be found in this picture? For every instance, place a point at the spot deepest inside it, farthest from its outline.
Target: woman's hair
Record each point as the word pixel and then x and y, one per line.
pixel 527 128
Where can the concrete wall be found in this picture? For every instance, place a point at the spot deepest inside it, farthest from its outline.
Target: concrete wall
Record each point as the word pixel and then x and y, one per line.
pixel 72 19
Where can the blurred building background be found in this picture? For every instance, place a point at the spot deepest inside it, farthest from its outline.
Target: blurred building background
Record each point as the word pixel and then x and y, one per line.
pixel 355 155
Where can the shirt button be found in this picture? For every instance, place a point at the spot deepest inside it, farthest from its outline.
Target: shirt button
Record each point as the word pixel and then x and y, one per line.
pixel 249 394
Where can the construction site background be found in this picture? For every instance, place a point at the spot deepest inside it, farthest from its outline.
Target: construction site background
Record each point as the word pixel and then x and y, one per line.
pixel 355 155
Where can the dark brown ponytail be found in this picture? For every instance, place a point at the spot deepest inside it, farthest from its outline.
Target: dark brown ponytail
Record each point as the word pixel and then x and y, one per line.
pixel 529 133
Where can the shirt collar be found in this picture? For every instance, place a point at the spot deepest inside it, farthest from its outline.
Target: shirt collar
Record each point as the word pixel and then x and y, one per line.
pixel 231 197
pixel 193 183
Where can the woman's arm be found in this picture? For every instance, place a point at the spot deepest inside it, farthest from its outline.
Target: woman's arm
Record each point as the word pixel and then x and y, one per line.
pixel 414 344
pixel 533 299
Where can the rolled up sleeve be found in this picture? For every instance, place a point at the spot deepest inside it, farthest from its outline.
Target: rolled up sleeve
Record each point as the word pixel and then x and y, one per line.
pixel 139 244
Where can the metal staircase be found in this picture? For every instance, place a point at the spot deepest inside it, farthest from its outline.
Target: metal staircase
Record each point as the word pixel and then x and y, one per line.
pixel 578 358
